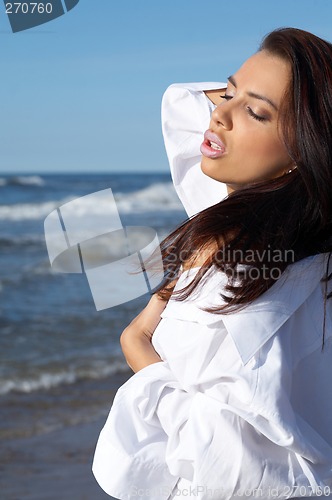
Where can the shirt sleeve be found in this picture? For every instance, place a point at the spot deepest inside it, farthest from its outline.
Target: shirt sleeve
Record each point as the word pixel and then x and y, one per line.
pixel 186 113
pixel 242 437
pixel 129 460
pixel 228 442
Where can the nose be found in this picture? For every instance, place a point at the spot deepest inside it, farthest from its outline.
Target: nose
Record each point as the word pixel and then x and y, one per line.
pixel 222 116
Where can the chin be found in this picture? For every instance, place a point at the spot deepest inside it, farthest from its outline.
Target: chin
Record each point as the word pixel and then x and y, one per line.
pixel 204 167
pixel 207 170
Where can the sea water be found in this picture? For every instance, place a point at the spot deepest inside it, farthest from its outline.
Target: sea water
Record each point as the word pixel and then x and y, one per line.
pixel 56 350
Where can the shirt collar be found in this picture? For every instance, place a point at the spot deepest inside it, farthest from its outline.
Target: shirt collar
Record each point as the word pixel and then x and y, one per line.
pixel 263 318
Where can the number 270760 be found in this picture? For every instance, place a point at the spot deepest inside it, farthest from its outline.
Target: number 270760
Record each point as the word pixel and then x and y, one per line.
pixel 28 8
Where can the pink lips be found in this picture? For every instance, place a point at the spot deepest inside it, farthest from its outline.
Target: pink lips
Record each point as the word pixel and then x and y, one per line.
pixel 212 146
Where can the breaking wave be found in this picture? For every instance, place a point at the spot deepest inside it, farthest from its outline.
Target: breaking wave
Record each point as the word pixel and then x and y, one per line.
pixel 22 180
pixel 96 369
pixel 157 197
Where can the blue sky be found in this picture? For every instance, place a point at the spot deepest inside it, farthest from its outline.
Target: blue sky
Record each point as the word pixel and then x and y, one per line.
pixel 82 93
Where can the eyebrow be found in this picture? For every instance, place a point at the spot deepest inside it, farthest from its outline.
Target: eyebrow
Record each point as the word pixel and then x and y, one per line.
pixel 231 79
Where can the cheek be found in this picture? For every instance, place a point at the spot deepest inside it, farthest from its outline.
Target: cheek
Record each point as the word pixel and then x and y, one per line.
pixel 264 150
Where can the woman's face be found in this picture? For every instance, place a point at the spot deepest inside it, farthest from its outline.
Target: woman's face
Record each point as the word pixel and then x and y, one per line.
pixel 243 144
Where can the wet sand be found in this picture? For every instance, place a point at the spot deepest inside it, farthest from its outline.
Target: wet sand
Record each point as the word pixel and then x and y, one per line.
pixel 55 465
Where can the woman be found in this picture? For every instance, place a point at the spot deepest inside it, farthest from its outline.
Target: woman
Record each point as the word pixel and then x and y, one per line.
pixel 232 394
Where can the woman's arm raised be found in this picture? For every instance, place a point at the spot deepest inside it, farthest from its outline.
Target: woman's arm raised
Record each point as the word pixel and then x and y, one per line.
pixel 186 114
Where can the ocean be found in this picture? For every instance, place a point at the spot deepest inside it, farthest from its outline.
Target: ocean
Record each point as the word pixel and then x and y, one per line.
pixel 57 351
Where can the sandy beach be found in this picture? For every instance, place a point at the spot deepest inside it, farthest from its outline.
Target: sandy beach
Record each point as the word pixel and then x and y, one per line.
pixel 54 465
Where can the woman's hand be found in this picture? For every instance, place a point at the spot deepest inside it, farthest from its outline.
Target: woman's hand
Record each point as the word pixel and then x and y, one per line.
pixel 136 338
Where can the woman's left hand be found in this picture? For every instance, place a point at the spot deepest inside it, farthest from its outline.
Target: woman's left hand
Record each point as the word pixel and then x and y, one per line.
pixel 136 338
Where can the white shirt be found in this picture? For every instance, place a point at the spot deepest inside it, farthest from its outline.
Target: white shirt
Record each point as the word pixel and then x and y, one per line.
pixel 241 405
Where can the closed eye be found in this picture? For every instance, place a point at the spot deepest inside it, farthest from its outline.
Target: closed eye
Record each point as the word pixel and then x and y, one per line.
pixel 227 97
pixel 248 108
pixel 253 115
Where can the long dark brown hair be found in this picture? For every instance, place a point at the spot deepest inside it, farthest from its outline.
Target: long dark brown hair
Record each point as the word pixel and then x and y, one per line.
pixel 289 216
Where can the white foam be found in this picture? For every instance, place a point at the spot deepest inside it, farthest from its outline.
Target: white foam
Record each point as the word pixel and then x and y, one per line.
pixel 157 197
pixel 27 180
pixel 96 369
pixel 30 211
pixel 21 240
pixel 22 180
pixel 160 196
